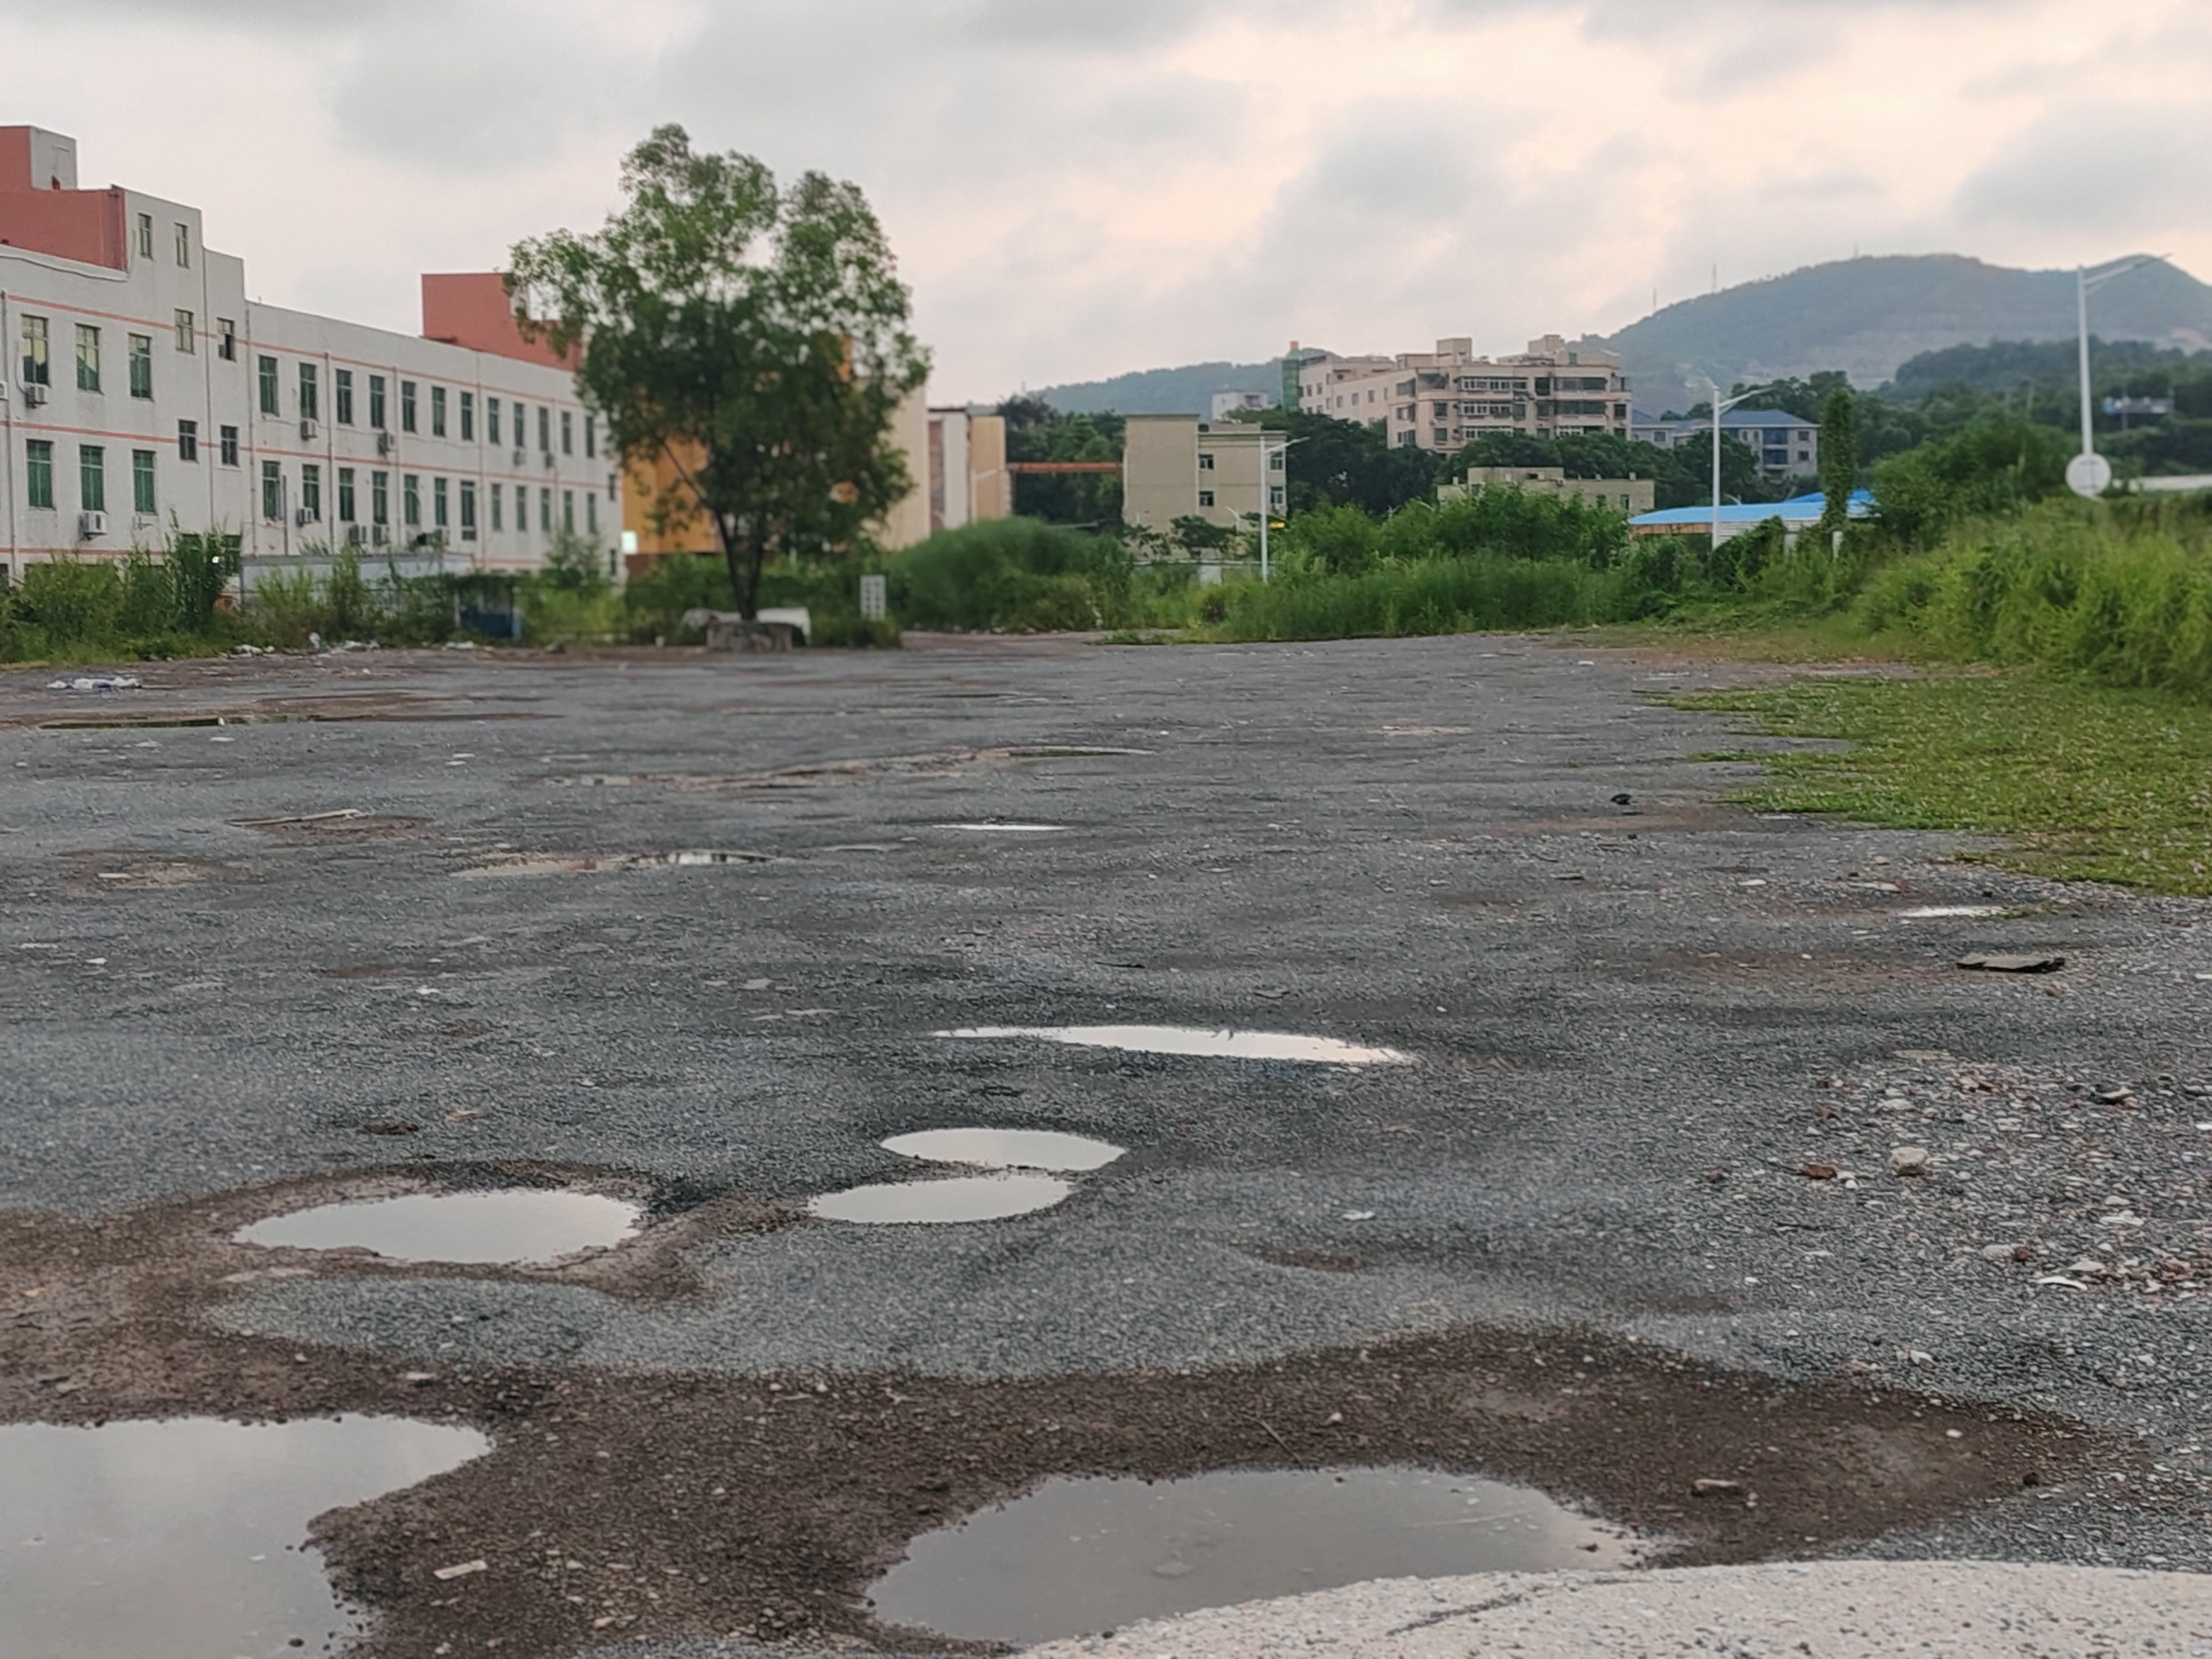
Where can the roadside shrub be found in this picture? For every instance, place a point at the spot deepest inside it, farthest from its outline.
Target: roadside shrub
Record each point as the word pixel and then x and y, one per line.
pixel 1013 575
pixel 1437 596
pixel 73 602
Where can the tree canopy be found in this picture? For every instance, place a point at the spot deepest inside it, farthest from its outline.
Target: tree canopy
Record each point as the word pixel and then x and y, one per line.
pixel 750 341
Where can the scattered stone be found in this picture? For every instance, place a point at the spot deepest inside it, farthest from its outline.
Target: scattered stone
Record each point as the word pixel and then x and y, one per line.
pixel 1710 1488
pixel 1911 1161
pixel 461 1570
pixel 2002 1251
pixel 2115 1095
pixel 2014 965
pixel 1818 1171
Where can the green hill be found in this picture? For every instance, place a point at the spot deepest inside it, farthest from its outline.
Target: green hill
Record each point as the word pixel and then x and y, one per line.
pixel 1188 391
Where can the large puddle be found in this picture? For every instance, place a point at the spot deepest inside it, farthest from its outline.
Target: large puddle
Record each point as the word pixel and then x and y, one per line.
pixel 506 1227
pixel 1078 1556
pixel 1007 1149
pixel 962 1197
pixel 188 1537
pixel 1191 1040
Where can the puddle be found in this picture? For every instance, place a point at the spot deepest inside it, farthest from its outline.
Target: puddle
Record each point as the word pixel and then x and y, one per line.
pixel 1008 828
pixel 510 1226
pixel 1092 1554
pixel 1007 1149
pixel 1929 912
pixel 962 1197
pixel 188 1536
pixel 1190 1040
pixel 594 864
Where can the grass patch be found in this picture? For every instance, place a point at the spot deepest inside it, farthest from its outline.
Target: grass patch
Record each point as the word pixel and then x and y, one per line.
pixel 2092 783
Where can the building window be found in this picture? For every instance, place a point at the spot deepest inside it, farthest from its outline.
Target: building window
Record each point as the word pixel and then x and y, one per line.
pixel 345 494
pixel 544 429
pixel 1274 460
pixel 267 376
pixel 592 513
pixel 272 490
pixel 407 405
pixel 142 365
pixel 342 395
pixel 184 247
pixel 36 369
pixel 411 500
pixel 142 482
pixel 437 412
pixel 1206 498
pixel 188 339
pixel 591 437
pixel 226 339
pixel 545 505
pixel 227 440
pixel 468 417
pixel 380 497
pixel 438 502
pixel 38 471
pixel 188 440
pixel 92 477
pixel 1275 498
pixel 87 357
pixel 468 509
pixel 376 402
pixel 569 511
pixel 491 427
pixel 568 432
pixel 145 236
pixel 311 490
pixel 310 402
pixel 1205 461
pixel 497 491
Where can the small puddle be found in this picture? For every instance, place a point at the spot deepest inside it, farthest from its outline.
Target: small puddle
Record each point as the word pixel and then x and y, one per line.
pixel 1190 1040
pixel 962 1197
pixel 598 864
pixel 1008 828
pixel 188 1536
pixel 1007 1149
pixel 1095 1553
pixel 511 1227
pixel 1931 912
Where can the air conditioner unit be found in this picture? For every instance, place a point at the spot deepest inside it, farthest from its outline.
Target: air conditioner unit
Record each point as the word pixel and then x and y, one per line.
pixel 380 535
pixel 306 515
pixel 355 534
pixel 383 442
pixel 520 456
pixel 89 525
pixel 549 460
pixel 306 431
pixel 33 394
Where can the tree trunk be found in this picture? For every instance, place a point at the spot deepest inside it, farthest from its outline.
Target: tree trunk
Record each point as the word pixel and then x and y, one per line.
pixel 741 556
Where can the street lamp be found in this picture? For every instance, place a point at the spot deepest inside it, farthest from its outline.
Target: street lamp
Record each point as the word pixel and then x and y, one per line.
pixel 2089 473
pixel 1721 407
pixel 1267 489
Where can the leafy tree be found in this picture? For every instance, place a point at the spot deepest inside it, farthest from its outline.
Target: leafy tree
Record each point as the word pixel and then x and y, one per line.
pixel 1840 460
pixel 754 338
pixel 1036 431
pixel 1683 476
pixel 1346 463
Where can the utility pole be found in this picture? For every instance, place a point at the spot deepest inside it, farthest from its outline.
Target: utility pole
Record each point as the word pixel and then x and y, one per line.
pixel 2090 474
pixel 1720 407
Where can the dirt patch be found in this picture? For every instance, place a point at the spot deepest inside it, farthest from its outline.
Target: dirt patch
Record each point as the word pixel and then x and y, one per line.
pixel 617 1502
pixel 342 826
pixel 126 869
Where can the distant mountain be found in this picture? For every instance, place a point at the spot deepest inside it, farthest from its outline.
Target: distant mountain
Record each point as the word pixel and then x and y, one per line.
pixel 1868 316
pixel 1187 391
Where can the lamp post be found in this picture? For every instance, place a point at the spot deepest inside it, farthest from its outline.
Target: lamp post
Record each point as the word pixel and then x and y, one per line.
pixel 1721 406
pixel 1267 489
pixel 2089 473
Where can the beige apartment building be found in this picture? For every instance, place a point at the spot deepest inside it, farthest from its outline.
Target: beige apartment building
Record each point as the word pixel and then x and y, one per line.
pixel 1630 494
pixel 1444 400
pixel 1178 466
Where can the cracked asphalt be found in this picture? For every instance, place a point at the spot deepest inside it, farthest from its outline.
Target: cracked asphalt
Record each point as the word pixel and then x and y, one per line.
pixel 405 908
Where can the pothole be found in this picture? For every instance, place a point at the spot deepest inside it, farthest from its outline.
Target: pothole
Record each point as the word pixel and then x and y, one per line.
pixel 1007 1149
pixel 594 864
pixel 1932 912
pixel 1008 828
pixel 188 1536
pixel 958 1198
pixel 1192 1040
pixel 505 1228
pixel 1080 1555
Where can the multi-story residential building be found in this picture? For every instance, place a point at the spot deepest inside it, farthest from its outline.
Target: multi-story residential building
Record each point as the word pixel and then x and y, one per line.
pixel 142 386
pixel 1787 446
pixel 1445 400
pixel 1177 466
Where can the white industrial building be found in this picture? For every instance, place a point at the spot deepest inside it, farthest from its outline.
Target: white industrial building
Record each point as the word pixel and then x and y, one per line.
pixel 143 386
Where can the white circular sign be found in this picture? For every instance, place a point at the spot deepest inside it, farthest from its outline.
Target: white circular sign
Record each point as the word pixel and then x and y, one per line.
pixel 2088 474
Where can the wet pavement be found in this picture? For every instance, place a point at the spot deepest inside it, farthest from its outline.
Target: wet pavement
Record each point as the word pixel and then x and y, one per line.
pixel 1081 1556
pixel 1650 1065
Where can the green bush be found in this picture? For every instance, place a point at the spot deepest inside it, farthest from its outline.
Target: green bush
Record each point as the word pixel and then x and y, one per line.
pixel 72 602
pixel 1012 575
pixel 1437 596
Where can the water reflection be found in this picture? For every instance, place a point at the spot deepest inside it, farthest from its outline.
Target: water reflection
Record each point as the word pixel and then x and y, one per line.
pixel 1192 1040
pixel 514 1226
pixel 962 1198
pixel 1007 1149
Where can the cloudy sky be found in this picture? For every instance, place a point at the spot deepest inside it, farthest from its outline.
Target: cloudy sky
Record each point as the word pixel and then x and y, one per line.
pixel 1077 187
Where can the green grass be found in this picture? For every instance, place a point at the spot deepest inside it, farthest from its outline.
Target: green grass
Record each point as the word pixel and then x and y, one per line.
pixel 2090 783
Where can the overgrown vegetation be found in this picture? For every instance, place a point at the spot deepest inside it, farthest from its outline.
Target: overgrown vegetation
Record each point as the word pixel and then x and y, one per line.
pixel 2091 784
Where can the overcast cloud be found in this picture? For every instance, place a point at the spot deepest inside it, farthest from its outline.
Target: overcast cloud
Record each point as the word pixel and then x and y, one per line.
pixel 1077 187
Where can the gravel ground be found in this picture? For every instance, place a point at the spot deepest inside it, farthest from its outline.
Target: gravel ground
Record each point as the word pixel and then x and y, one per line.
pixel 1633 1024
pixel 1831 1610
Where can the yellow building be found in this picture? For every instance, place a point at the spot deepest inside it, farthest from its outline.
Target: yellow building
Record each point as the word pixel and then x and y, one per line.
pixel 1630 494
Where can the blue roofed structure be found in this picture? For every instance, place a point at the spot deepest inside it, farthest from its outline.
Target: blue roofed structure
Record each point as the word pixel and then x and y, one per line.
pixel 1799 513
